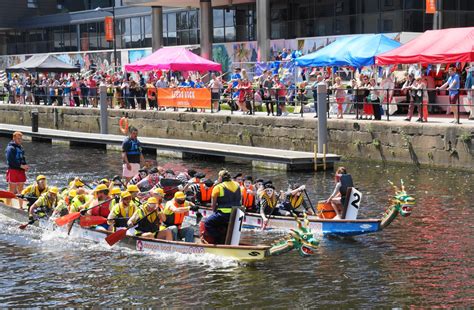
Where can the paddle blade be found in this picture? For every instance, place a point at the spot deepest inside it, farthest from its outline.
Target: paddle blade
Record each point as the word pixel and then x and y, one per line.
pixel 67 218
pixel 23 226
pixel 91 220
pixel 116 236
pixel 7 195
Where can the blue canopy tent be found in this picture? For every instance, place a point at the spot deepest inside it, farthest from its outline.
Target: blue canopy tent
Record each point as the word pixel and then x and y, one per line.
pixel 355 51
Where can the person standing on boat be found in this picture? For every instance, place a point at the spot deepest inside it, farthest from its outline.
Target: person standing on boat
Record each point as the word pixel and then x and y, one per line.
pixel 294 200
pixel 17 167
pixel 150 227
pixel 44 205
pixel 175 210
pixel 338 197
pixel 121 212
pixel 225 195
pixel 131 155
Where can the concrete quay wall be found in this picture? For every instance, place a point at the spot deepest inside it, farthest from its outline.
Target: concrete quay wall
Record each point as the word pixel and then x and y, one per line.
pixel 437 145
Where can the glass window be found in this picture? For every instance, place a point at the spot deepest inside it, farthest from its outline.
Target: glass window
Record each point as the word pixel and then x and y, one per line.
pixel 369 6
pixel 369 23
pixel 127 35
pixel 466 19
pixel 193 20
pixel 58 39
pixel 165 23
pixel 218 17
pixel 325 9
pixel 172 22
pixel 390 5
pixel 183 37
pixel 229 17
pixel 73 35
pixel 414 4
pixel 467 5
pixel 230 34
pixel 93 36
pixel 345 7
pixel 451 5
pixel 279 30
pixel 219 35
pixel 147 31
pixel 32 4
pixel 182 21
pixel 392 21
pixel 413 21
pixel 136 28
pixel 193 36
pixel 84 37
pixel 345 25
pixel 450 19
pixel 324 26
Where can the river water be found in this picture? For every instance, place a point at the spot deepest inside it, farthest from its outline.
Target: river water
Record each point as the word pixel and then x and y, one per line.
pixel 423 260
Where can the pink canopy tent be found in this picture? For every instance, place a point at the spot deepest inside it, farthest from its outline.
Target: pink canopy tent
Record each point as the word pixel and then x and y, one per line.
pixel 175 59
pixel 433 47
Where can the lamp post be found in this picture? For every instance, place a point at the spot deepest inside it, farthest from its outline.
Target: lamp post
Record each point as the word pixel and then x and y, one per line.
pixel 113 30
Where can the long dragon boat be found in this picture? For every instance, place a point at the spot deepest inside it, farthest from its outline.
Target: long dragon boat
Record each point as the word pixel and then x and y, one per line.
pixel 401 204
pixel 300 239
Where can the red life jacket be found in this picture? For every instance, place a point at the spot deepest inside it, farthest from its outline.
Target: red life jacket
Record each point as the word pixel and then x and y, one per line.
pixel 103 210
pixel 205 193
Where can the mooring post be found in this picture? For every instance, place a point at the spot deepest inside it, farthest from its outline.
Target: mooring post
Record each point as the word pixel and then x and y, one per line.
pixel 103 110
pixel 322 118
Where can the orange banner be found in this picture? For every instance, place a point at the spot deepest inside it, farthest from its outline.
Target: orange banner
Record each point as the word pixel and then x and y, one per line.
pixel 430 6
pixel 184 98
pixel 109 28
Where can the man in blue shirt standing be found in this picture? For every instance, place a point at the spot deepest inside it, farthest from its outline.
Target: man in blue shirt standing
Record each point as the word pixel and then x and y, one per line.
pixel 453 86
pixel 131 155
pixel 16 162
pixel 469 89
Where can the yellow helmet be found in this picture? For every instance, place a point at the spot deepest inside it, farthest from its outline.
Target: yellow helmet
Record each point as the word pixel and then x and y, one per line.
pixel 53 190
pixel 115 191
pixel 179 195
pixel 40 177
pixel 72 193
pixel 132 188
pixel 104 180
pixel 125 194
pixel 159 191
pixel 78 183
pixel 152 200
pixel 101 187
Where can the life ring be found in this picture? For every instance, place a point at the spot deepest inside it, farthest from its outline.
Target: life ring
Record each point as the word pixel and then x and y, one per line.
pixel 123 125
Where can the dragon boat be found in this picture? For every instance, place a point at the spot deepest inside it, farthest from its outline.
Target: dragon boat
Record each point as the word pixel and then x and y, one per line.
pixel 401 204
pixel 301 239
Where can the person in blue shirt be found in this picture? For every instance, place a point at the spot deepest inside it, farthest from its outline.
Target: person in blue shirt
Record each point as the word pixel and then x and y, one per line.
pixel 199 83
pixel 469 89
pixel 132 155
pixel 453 86
pixel 16 162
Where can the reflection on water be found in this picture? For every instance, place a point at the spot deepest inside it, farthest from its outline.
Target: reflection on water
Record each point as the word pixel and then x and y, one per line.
pixel 424 260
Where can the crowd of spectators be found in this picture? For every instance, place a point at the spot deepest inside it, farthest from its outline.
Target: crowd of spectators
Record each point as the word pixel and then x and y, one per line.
pixel 366 96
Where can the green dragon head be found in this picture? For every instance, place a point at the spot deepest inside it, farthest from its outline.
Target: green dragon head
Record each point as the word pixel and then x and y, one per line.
pixel 301 239
pixel 402 202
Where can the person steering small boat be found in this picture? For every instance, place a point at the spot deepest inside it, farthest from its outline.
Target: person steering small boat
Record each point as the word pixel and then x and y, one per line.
pixel 338 197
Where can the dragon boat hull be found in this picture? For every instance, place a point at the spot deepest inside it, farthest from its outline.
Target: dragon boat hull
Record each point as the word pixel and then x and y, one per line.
pixel 244 253
pixel 343 228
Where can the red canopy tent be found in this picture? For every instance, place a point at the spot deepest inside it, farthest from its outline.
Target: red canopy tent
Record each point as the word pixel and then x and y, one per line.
pixel 433 47
pixel 175 59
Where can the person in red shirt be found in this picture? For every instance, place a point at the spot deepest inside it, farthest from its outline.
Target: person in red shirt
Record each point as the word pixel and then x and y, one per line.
pixel 280 96
pixel 92 84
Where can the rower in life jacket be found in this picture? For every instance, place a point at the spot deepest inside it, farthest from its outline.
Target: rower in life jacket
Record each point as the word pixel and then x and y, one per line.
pixel 64 204
pixel 204 195
pixel 121 212
pixel 101 193
pixel 225 195
pixel 249 194
pixel 175 211
pixel 79 200
pixel 294 200
pixel 45 204
pixel 338 197
pixel 32 192
pixel 134 191
pixel 149 219
pixel 269 202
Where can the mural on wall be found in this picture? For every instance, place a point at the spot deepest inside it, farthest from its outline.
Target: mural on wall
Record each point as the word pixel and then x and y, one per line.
pixel 103 60
pixel 11 60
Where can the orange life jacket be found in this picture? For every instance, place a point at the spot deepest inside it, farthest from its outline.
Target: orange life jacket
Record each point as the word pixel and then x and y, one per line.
pixel 248 198
pixel 175 218
pixel 205 193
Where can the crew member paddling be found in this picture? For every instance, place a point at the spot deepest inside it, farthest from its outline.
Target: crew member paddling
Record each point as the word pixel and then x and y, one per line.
pixel 175 211
pixel 248 194
pixel 45 204
pixel 294 200
pixel 35 190
pixel 150 227
pixel 101 198
pixel 225 195
pixel 121 212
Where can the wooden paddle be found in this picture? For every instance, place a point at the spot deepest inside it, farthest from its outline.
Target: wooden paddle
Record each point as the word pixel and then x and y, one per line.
pixel 310 203
pixel 61 221
pixel 120 234
pixel 91 220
